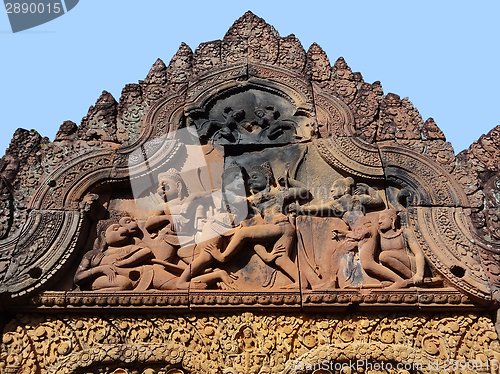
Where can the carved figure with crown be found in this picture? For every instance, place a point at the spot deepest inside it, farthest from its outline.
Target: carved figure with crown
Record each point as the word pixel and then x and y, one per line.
pixel 267 230
pixel 231 210
pixel 176 222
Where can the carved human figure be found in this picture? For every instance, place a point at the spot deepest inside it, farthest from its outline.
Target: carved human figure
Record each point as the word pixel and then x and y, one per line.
pixel 247 341
pixel 269 227
pixel 174 225
pixel 121 261
pixel 223 129
pixel 342 200
pixel 383 253
pixel 232 210
pixel 112 264
pixel 408 261
pixel 270 124
pixel 358 247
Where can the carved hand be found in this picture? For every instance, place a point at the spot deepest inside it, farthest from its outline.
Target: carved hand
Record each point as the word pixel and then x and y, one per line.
pixel 282 181
pixel 96 259
pixel 361 189
pixel 293 208
pixel 277 251
pixel 110 271
pixel 215 252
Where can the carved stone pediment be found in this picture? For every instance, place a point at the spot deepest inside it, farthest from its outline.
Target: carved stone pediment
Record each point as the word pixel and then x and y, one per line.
pixel 240 169
pixel 248 175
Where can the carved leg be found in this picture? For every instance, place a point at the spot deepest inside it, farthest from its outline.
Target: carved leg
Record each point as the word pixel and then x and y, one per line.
pixel 103 283
pixel 367 258
pixel 203 260
pixel 284 262
pixel 397 260
pixel 217 276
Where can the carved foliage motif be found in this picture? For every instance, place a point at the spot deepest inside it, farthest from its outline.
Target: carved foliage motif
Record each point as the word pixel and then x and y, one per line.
pixel 207 56
pixel 250 37
pixel 365 108
pixel 100 122
pixel 154 85
pixel 19 165
pixel 179 69
pixel 433 185
pixel 243 343
pixel 157 74
pixel 291 55
pixel 130 112
pixel 318 64
pixel 461 263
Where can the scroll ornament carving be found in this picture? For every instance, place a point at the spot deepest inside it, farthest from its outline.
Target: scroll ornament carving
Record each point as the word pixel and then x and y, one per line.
pixel 431 131
pixel 318 64
pixel 248 343
pixel 399 120
pixel 67 131
pixel 343 83
pixel 20 172
pixel 460 263
pixel 206 57
pixel 477 169
pixel 9 167
pixel 59 194
pixel 130 112
pixel 340 148
pixel 154 85
pixel 430 182
pixel 291 53
pixel 157 74
pixel 250 37
pixel 297 87
pixel 179 69
pixel 100 122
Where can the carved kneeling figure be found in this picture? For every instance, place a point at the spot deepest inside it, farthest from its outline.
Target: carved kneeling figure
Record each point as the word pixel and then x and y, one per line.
pixel 399 263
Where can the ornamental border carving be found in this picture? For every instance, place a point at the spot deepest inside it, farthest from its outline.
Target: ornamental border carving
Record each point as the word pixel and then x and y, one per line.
pixel 273 344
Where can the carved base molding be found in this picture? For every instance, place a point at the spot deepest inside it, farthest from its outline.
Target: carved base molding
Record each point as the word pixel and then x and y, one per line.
pixel 249 343
pixel 306 300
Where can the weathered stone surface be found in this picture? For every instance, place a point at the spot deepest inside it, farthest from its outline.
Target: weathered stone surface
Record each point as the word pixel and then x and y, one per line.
pixel 129 113
pixel 318 64
pixel 248 174
pixel 100 122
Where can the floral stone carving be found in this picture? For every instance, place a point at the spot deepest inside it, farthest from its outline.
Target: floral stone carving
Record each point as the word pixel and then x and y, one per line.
pixel 248 343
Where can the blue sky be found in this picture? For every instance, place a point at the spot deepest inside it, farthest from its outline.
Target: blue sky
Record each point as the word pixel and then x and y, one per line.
pixel 443 55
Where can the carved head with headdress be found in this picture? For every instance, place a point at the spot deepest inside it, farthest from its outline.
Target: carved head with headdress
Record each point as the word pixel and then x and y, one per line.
pixel 261 177
pixel 171 185
pixel 388 219
pixel 233 179
pixel 115 231
pixel 341 186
